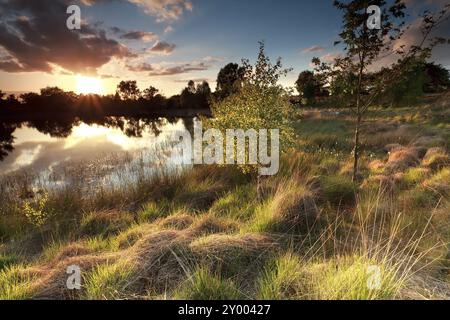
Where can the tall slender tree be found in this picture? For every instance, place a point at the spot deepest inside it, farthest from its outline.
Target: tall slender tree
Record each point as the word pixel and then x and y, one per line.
pixel 365 44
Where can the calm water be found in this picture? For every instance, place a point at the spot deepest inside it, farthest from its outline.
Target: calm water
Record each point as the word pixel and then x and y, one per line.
pixel 110 151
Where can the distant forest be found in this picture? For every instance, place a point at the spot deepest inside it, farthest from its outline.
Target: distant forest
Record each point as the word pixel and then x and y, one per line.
pixel 129 99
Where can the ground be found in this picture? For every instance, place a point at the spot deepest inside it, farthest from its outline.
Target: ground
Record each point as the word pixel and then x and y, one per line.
pixel 205 234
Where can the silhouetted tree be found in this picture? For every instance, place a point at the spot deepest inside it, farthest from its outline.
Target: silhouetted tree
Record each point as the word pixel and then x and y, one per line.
pixel 6 138
pixel 308 86
pixel 438 78
pixel 128 90
pixel 52 92
pixel 150 93
pixel 203 95
pixel 229 80
pixel 188 97
pixel 30 98
pixel 409 87
pixel 12 100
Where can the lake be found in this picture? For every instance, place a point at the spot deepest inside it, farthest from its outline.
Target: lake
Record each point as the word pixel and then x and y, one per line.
pixel 109 151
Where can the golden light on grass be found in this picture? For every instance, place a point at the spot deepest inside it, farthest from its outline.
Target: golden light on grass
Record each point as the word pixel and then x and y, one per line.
pixel 87 85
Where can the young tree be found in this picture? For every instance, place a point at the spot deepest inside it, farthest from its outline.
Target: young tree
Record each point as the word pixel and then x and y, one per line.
pixel 260 104
pixel 128 90
pixel 365 45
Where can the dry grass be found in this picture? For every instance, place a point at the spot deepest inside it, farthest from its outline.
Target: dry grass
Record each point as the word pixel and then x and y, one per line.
pixel 205 234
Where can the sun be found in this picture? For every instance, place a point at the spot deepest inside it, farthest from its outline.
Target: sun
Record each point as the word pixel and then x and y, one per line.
pixel 86 85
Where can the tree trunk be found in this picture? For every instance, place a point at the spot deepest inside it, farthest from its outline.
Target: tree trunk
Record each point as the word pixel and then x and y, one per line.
pixel 356 149
pixel 258 186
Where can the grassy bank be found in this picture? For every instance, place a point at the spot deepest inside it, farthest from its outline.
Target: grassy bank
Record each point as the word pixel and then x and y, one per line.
pixel 204 234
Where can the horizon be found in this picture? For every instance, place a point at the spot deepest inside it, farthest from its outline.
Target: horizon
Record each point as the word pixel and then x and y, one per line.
pixel 165 43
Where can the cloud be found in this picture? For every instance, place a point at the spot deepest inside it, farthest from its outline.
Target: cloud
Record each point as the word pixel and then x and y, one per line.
pixel 179 69
pixel 35 38
pixel 169 69
pixel 162 47
pixel 314 49
pixel 196 80
pixel 418 3
pixel 168 29
pixel 165 10
pixel 330 57
pixel 139 35
pixel 414 36
pixel 143 67
pixel 108 76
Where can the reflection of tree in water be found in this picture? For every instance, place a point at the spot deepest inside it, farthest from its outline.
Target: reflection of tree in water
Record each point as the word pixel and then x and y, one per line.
pixel 62 128
pixel 55 128
pixel 189 125
pixel 6 138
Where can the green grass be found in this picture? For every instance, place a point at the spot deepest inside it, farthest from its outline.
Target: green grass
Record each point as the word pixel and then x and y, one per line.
pixel 8 259
pixel 350 278
pixel 154 210
pixel 205 234
pixel 338 189
pixel 105 223
pixel 15 283
pixel 108 281
pixel 280 279
pixel 204 285
pixel 237 204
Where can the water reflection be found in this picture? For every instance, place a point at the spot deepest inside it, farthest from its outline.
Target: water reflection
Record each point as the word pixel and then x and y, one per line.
pixel 43 145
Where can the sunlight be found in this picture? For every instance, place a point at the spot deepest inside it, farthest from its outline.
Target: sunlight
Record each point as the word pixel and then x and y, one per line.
pixel 86 85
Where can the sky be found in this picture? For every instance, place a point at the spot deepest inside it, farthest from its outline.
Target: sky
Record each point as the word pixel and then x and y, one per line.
pixel 166 43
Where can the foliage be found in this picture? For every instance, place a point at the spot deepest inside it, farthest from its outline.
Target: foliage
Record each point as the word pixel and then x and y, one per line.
pixel 128 90
pixel 308 86
pixel 150 93
pixel 438 78
pixel 261 104
pixel 35 210
pixel 229 80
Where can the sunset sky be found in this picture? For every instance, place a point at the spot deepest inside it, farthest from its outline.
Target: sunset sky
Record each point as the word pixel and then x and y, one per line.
pixel 164 43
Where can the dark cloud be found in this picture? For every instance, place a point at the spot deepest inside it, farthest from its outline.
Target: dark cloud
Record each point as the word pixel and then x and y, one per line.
pixel 162 47
pixel 139 35
pixel 34 36
pixel 134 35
pixel 143 67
